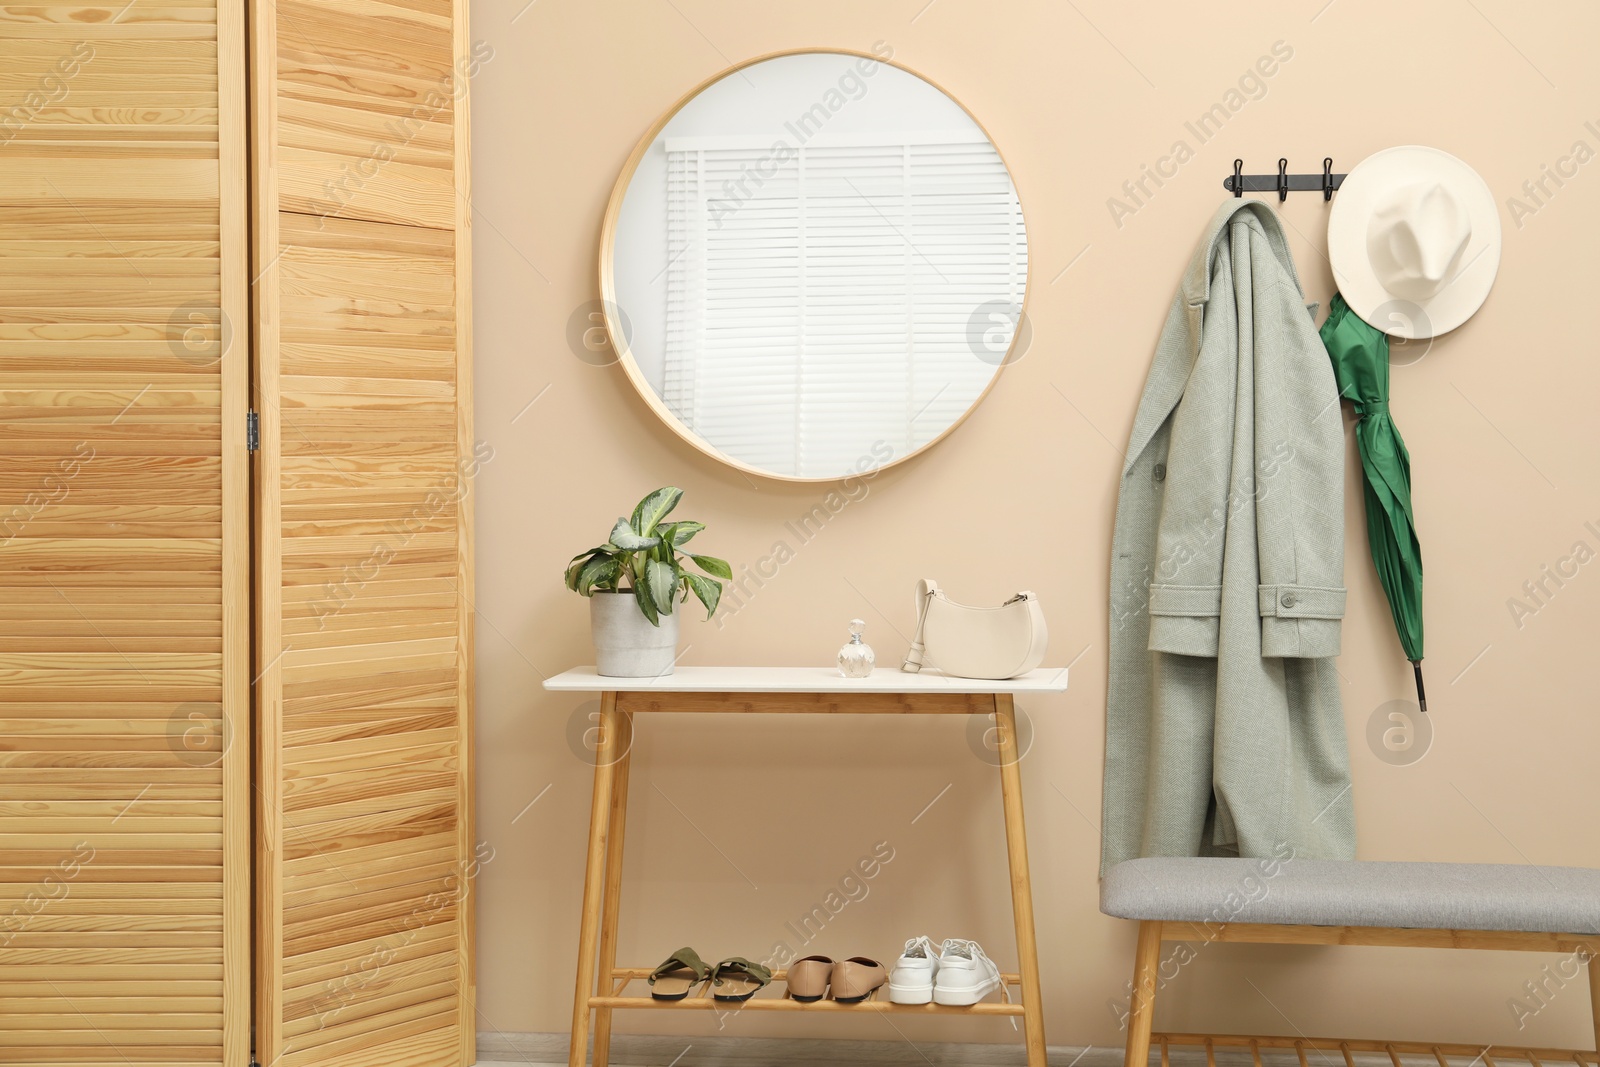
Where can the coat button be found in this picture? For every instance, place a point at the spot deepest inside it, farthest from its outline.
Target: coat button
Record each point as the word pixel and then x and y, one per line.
pixel 1160 472
pixel 1289 600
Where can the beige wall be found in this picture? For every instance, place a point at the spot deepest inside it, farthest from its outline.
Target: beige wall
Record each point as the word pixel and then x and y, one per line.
pixel 739 826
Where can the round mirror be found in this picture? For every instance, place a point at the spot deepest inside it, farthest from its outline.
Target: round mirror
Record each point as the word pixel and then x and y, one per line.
pixel 814 265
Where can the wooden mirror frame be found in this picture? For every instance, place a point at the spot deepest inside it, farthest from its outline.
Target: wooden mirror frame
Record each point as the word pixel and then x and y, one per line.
pixel 608 287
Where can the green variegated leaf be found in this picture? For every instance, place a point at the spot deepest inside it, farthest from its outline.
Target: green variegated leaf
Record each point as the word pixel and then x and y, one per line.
pixel 663 582
pixel 678 533
pixel 712 565
pixel 570 577
pixel 581 560
pixel 653 508
pixel 624 537
pixel 642 596
pixel 600 572
pixel 708 590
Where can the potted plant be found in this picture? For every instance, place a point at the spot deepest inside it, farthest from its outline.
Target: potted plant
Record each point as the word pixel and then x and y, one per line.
pixel 634 581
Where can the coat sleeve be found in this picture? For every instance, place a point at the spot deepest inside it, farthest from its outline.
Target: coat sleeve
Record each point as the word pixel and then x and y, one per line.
pixel 1300 461
pixel 1185 600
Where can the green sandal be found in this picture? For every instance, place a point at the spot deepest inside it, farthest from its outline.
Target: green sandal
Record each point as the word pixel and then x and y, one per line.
pixel 677 975
pixel 737 979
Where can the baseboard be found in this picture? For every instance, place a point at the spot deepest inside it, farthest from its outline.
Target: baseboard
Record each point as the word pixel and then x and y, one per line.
pixel 639 1050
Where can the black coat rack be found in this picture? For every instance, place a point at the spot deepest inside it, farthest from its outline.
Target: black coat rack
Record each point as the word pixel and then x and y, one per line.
pixel 1283 182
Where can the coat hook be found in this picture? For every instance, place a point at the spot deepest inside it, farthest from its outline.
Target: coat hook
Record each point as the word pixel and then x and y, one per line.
pixel 1285 183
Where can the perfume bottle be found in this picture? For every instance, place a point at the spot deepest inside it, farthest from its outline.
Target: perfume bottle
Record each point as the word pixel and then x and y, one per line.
pixel 856 658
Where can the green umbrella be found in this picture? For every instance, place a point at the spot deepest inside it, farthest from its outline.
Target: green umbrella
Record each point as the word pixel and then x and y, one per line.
pixel 1360 355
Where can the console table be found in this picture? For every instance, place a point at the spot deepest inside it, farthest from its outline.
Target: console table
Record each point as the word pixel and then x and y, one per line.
pixel 602 986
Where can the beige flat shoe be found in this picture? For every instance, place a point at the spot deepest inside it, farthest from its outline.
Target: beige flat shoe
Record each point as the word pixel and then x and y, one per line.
pixel 807 979
pixel 856 979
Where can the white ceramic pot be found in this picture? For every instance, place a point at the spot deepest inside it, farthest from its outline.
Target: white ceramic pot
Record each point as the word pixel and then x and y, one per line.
pixel 625 644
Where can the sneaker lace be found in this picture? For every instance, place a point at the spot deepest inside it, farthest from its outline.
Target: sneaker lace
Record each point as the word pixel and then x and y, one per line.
pixel 918 948
pixel 959 949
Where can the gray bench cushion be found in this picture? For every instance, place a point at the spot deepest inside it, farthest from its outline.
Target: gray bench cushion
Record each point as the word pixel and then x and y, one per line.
pixel 1440 896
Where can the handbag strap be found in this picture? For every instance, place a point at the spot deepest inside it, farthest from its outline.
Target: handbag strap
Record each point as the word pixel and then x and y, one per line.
pixel 927 588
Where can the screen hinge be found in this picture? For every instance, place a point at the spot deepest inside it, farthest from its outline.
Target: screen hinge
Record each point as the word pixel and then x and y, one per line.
pixel 252 431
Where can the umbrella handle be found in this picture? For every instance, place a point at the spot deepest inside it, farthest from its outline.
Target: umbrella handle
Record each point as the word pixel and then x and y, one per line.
pixel 1422 694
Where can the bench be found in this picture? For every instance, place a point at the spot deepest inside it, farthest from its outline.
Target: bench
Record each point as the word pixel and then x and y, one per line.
pixel 1287 901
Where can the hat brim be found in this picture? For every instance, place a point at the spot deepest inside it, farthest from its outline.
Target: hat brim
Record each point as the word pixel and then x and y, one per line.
pixel 1352 267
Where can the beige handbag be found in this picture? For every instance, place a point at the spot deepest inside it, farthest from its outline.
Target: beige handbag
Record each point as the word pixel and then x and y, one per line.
pixel 1001 642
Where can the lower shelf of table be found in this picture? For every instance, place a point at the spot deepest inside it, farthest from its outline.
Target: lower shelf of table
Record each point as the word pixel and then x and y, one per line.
pixel 773 998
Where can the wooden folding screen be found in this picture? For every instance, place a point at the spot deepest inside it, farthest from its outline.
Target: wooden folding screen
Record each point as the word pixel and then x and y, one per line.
pixel 365 858
pixel 124 543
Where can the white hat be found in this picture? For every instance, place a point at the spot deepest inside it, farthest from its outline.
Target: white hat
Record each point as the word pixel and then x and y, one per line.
pixel 1414 240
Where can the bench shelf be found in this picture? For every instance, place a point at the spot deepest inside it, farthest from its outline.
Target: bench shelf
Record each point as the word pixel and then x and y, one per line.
pixel 1490 1055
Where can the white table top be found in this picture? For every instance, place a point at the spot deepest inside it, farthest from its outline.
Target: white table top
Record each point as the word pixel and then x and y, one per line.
pixel 804 680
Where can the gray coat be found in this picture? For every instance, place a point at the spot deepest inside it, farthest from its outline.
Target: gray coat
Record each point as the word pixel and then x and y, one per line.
pixel 1224 731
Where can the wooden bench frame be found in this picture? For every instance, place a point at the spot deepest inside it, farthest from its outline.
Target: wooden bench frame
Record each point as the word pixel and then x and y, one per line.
pixel 1146 978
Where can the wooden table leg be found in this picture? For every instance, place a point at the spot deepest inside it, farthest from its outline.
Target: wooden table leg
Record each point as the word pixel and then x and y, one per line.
pixel 1594 995
pixel 1021 883
pixel 611 898
pixel 1142 1003
pixel 593 877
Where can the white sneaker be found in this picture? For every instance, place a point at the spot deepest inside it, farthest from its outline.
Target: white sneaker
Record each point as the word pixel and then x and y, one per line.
pixel 911 981
pixel 965 975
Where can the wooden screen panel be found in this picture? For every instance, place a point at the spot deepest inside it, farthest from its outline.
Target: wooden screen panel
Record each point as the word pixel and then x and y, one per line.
pixel 124 542
pixel 365 850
